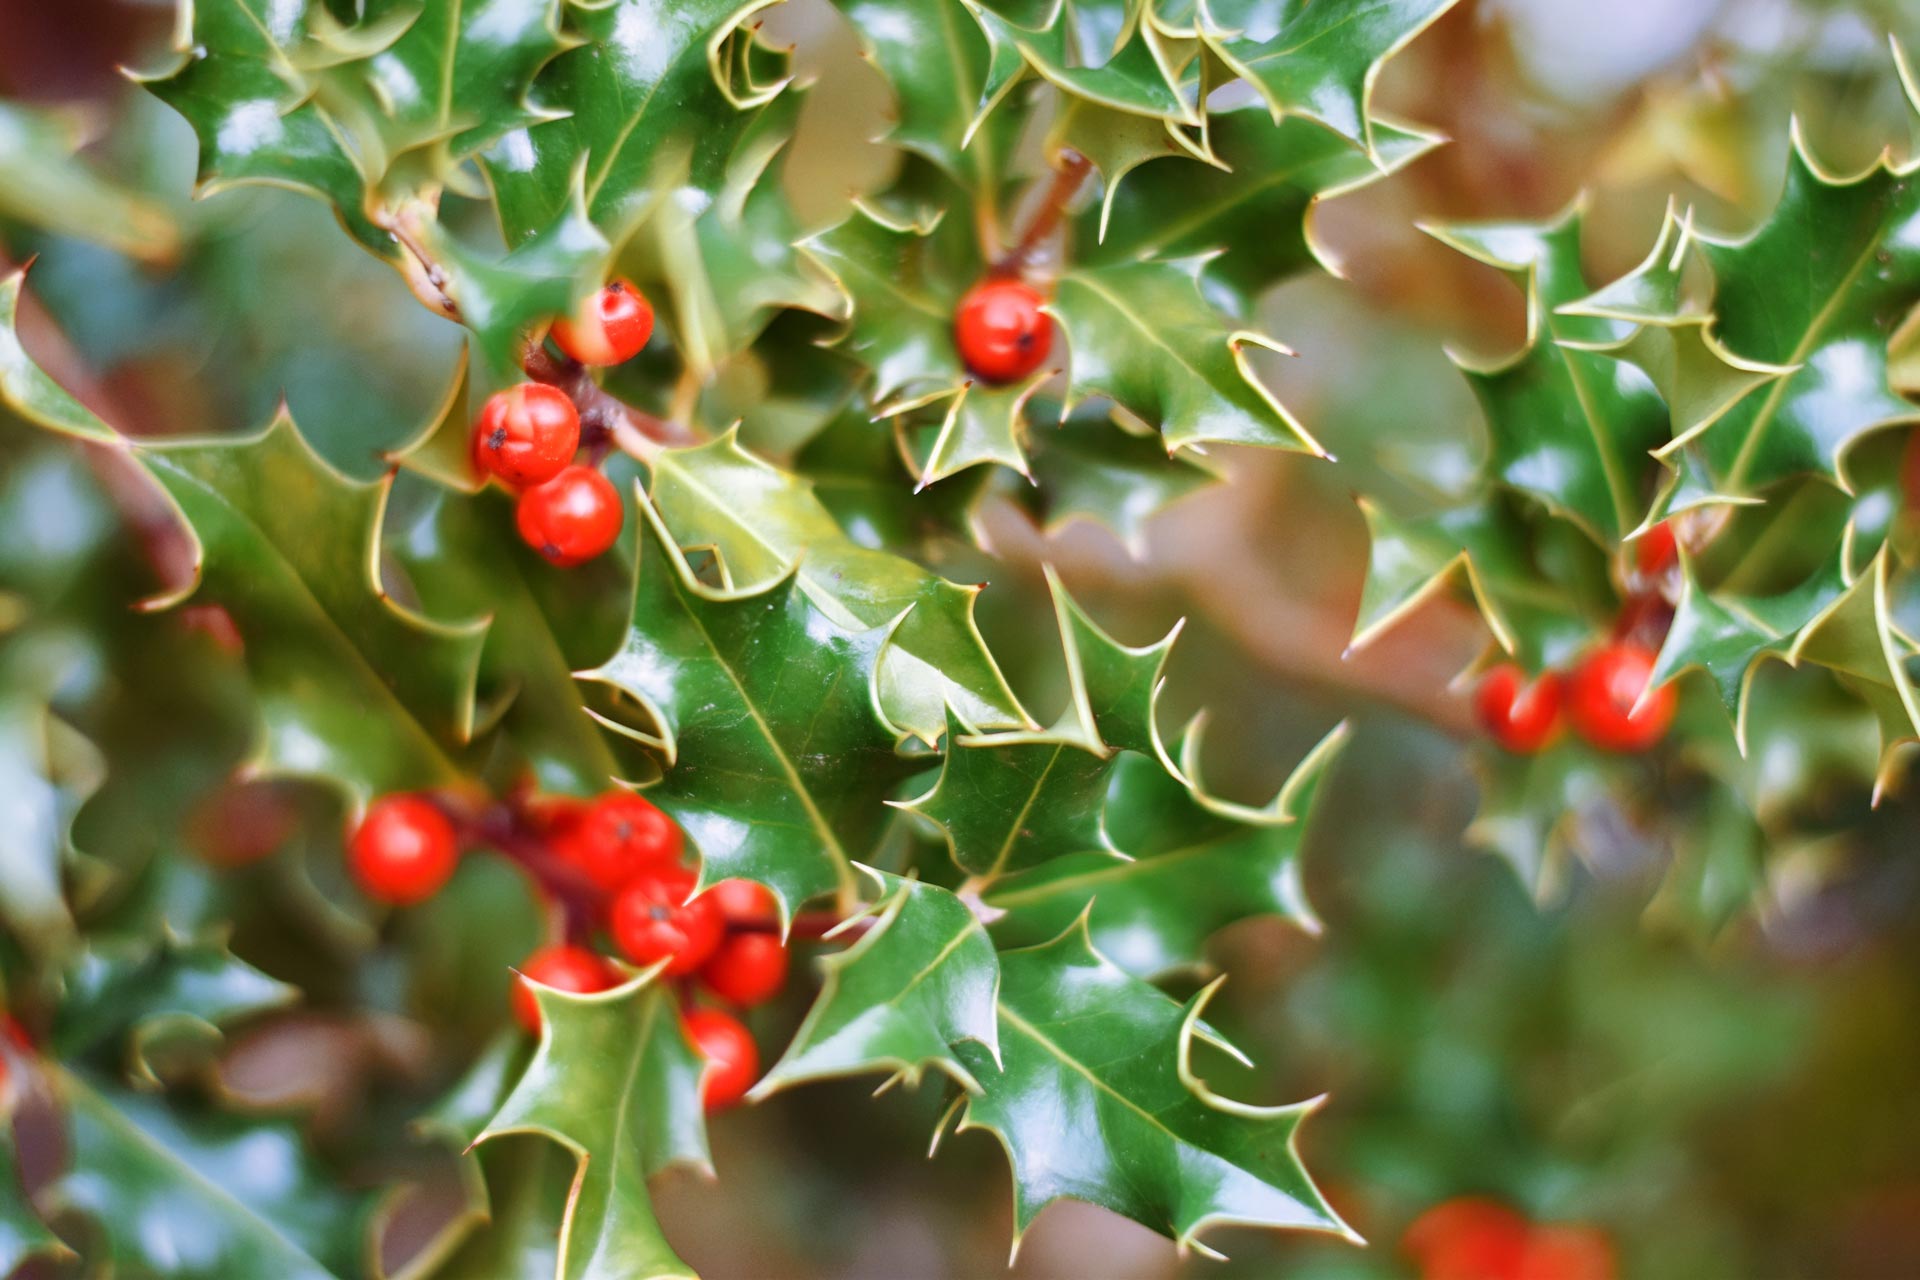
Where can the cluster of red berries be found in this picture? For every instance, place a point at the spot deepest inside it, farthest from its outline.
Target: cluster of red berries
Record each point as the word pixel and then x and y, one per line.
pixel 1604 698
pixel 727 940
pixel 1476 1239
pixel 528 434
pixel 1000 330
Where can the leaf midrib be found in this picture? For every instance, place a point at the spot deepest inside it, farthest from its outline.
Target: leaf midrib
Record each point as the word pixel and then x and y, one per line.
pixel 1118 870
pixel 842 868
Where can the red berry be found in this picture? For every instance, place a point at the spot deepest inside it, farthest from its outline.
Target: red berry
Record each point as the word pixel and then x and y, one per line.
pixel 733 1060
pixel 1521 717
pixel 653 920
pixel 563 968
pixel 1656 550
pixel 1467 1239
pixel 571 518
pixel 618 837
pixel 1001 331
pixel 1566 1253
pixel 609 328
pixel 748 969
pixel 403 850
pixel 1601 694
pixel 527 433
pixel 746 903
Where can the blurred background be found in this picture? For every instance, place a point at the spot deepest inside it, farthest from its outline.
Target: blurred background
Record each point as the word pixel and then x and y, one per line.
pixel 1741 1104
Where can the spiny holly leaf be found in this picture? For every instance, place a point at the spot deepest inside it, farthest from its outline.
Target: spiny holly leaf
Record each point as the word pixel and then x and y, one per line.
pixel 1090 1052
pixel 616 1083
pixel 1728 635
pixel 26 388
pixel 1673 342
pixel 1010 801
pixel 1316 60
pixel 1194 869
pixel 1566 425
pixel 1533 809
pixel 1112 686
pixel 139 994
pixel 1142 335
pixel 859 476
pixel 1521 579
pixel 42 182
pixel 654 94
pixel 526 1190
pixel 350 686
pixel 1255 210
pixel 465 562
pixel 240 83
pixel 1854 637
pixel 1814 292
pixel 1088 469
pixel 725 250
pixel 198 1195
pixel 778 755
pixel 763 523
pixel 452 80
pixel 936 58
pixel 1116 143
pixel 1112 54
pixel 921 979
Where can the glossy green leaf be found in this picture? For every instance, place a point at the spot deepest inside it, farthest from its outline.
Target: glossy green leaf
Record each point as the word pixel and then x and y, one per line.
pixel 351 687
pixel 453 78
pixel 200 1196
pixel 768 713
pixel 763 524
pixel 1728 635
pixel 1142 335
pixel 1192 869
pixel 241 84
pixel 136 994
pixel 936 59
pixel 1567 426
pixel 42 182
pixel 526 1187
pixel 25 386
pixel 1110 53
pixel 857 473
pixel 1533 614
pixel 1010 801
pixel 1316 60
pixel 1096 1097
pixel 920 980
pixel 617 1084
pixel 1089 468
pixel 466 561
pixel 1854 637
pixel 1255 211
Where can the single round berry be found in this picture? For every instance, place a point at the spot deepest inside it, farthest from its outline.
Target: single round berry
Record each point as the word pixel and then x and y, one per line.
pixel 746 904
pixel 748 969
pixel 1000 330
pixel 1518 715
pixel 733 1060
pixel 1656 550
pixel 1604 689
pixel 609 328
pixel 571 518
pixel 563 968
pixel 1467 1238
pixel 1566 1253
pixel 527 433
pixel 618 837
pixel 403 850
pixel 653 920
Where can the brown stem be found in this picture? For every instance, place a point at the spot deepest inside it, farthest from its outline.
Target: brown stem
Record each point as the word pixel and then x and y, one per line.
pixel 602 414
pixel 1068 174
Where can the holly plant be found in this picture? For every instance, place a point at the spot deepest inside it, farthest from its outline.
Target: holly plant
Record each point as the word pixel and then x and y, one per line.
pixel 619 710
